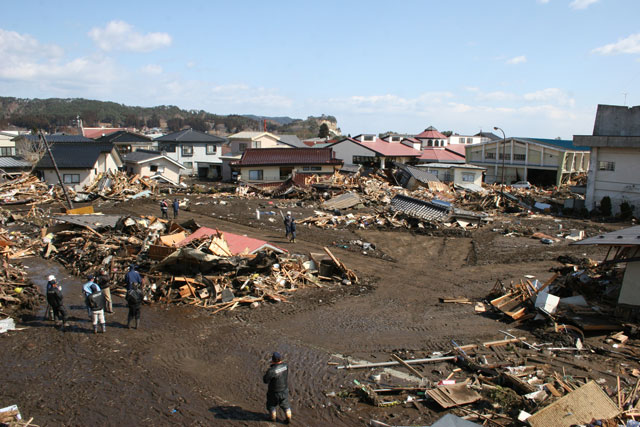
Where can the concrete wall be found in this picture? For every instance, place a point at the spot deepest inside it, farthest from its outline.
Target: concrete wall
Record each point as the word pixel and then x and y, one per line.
pixel 616 120
pixel 86 177
pixel 621 184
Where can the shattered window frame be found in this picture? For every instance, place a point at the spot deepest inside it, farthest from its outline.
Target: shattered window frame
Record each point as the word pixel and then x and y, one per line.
pixel 606 166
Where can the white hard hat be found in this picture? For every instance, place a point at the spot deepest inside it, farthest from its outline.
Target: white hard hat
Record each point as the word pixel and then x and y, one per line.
pixel 51 278
pixel 288 212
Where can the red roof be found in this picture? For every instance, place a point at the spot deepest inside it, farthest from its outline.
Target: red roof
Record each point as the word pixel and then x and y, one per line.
pixel 237 244
pixel 440 155
pixel 458 148
pixel 287 156
pixel 387 149
pixel 431 133
pixel 98 132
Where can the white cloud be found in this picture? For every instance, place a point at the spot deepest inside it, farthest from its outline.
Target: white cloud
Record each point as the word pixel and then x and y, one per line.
pixel 629 44
pixel 119 35
pixel 543 1
pixel 152 69
pixel 14 44
pixel 517 60
pixel 550 95
pixel 582 4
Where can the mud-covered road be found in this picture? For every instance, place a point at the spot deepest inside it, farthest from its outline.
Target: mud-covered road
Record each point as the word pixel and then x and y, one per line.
pixel 187 367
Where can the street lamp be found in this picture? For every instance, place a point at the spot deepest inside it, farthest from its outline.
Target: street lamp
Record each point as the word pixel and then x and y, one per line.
pixel 504 145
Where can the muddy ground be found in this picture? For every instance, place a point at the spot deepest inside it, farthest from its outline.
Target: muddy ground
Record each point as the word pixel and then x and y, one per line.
pixel 188 367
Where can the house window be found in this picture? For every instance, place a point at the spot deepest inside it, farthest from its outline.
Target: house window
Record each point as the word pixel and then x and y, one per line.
pixel 256 144
pixel 367 138
pixel 211 149
pixel 312 168
pixel 430 143
pixel 361 160
pixel 6 151
pixel 519 157
pixel 607 166
pixel 187 150
pixel 156 168
pixel 71 178
pixel 489 155
pixel 242 147
pixel 255 175
pixel 169 148
pixel 468 177
pixel 188 165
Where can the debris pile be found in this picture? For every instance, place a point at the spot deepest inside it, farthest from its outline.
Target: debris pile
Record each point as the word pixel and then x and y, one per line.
pixel 17 293
pixel 117 186
pixel 27 188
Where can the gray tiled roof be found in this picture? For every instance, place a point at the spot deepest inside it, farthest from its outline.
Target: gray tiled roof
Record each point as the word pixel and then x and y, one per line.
pixel 13 162
pixel 190 135
pixel 292 140
pixel 74 156
pixel 419 174
pixel 61 138
pixel 419 208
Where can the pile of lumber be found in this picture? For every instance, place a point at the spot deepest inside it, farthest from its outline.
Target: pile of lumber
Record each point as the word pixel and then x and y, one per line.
pixel 119 186
pixel 17 293
pixel 25 189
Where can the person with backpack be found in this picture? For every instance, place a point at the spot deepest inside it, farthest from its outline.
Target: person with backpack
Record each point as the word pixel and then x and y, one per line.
pixel 97 303
pixel 134 301
pixel 278 387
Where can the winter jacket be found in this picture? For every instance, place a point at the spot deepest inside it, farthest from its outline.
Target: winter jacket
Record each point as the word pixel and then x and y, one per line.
pixel 96 301
pixel 54 296
pixel 132 277
pixel 277 376
pixel 134 298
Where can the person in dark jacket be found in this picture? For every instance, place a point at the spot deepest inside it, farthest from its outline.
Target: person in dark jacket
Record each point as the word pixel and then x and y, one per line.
pixel 278 391
pixel 176 207
pixel 132 277
pixel 97 303
pixel 104 281
pixel 290 227
pixel 54 298
pixel 164 208
pixel 134 301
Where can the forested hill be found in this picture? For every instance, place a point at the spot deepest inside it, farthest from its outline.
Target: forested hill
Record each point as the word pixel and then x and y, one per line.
pixel 55 114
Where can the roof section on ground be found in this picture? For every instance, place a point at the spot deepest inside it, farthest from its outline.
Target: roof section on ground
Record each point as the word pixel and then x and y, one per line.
pixel 624 237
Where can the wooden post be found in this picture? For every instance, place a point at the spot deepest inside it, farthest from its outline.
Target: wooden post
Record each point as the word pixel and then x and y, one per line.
pixel 55 166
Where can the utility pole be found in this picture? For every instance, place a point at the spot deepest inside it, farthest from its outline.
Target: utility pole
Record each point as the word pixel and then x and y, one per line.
pixel 55 166
pixel 504 145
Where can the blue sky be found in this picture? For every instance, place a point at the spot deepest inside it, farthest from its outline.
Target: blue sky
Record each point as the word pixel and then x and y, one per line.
pixel 535 68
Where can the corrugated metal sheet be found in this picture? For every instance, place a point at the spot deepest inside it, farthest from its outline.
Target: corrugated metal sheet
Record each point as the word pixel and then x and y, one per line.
pixel 625 237
pixel 14 162
pixel 92 221
pixel 419 208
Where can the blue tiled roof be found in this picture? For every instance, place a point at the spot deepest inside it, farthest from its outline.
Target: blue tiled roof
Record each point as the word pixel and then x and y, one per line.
pixel 567 144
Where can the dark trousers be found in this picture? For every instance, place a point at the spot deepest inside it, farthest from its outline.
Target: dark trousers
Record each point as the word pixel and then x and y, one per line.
pixel 134 313
pixel 60 313
pixel 165 214
pixel 280 399
pixel 175 213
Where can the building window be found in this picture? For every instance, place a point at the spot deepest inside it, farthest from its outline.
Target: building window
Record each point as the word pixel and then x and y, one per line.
pixel 607 166
pixel 255 175
pixel 187 150
pixel 211 149
pixel 7 151
pixel 256 144
pixel 520 157
pixel 169 148
pixel 430 143
pixel 367 137
pixel 468 177
pixel 312 168
pixel 506 156
pixel 156 168
pixel 71 178
pixel 361 160
pixel 489 155
pixel 188 165
pixel 242 147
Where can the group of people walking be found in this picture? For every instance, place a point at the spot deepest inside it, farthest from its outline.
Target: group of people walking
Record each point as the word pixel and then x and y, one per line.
pixel 97 296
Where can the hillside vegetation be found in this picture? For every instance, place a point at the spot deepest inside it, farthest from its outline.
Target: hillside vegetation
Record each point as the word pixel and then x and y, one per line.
pixel 55 114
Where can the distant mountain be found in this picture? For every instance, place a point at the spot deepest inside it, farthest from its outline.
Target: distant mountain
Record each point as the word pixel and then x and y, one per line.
pixel 280 120
pixel 60 114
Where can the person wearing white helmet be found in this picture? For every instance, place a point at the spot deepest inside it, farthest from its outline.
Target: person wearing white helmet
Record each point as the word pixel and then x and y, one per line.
pixel 54 298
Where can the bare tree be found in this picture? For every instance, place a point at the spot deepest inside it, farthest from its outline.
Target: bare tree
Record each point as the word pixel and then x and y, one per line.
pixel 31 150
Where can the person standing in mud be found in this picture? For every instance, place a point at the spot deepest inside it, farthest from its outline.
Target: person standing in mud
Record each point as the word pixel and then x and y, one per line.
pixel 54 298
pixel 176 207
pixel 97 303
pixel 290 227
pixel 134 302
pixel 104 281
pixel 278 390
pixel 132 277
pixel 87 290
pixel 164 208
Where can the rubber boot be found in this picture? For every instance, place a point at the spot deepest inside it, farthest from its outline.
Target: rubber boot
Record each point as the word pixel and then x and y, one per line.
pixel 288 420
pixel 104 327
pixel 64 326
pixel 95 329
pixel 273 416
pixel 137 323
